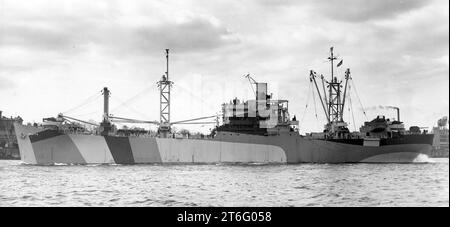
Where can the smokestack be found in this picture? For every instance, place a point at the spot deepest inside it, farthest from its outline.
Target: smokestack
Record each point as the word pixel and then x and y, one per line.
pixel 396 108
pixel 1 114
pixel 398 113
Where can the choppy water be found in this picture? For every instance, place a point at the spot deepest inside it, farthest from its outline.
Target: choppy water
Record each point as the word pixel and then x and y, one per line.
pixel 226 185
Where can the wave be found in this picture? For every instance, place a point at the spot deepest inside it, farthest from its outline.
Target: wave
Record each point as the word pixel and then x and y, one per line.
pixel 423 158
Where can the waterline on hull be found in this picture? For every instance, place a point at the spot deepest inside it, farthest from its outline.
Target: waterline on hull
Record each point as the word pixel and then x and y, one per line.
pixel 398 157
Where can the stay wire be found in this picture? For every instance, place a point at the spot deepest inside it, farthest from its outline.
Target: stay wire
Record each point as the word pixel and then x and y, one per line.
pixel 351 108
pixel 363 109
pixel 307 103
pixel 92 98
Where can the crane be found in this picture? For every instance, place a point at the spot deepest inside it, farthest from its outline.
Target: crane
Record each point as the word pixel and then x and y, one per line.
pixel 252 81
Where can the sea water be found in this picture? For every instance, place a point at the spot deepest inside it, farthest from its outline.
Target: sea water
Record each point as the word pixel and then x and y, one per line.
pixel 225 185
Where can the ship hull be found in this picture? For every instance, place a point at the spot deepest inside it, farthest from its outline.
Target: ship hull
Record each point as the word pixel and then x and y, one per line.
pixel 37 147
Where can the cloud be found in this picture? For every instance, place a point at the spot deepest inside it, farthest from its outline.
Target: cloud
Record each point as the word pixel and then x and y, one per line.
pixel 352 10
pixel 195 35
pixel 80 32
pixel 55 37
pixel 74 48
pixel 420 33
pixel 361 10
pixel 6 84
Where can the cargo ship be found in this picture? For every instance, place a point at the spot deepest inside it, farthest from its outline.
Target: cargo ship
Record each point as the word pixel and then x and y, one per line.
pixel 260 130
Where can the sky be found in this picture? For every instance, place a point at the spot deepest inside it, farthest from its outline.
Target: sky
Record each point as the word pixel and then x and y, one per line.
pixel 56 56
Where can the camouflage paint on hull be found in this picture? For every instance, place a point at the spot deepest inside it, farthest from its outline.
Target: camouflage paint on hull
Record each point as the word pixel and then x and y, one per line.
pixel 225 148
pixel 303 150
pixel 25 147
pixel 94 149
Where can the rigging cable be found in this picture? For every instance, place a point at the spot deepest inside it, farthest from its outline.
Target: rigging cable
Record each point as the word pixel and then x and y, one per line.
pixel 130 100
pixel 90 113
pixel 315 107
pixel 202 101
pixel 351 107
pixel 126 104
pixel 87 101
pixel 356 92
pixel 307 103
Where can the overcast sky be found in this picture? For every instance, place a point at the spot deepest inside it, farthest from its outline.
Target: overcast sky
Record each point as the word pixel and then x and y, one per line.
pixel 56 54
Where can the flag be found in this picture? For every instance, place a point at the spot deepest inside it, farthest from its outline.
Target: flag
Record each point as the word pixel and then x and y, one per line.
pixel 340 63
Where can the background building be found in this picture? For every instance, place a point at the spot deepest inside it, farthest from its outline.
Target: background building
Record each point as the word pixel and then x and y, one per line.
pixel 8 140
pixel 440 142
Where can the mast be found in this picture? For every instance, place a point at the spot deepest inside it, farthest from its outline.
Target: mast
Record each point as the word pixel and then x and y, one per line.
pixel 334 103
pixel 347 77
pixel 105 126
pixel 164 108
pixel 105 104
pixel 332 58
pixel 167 63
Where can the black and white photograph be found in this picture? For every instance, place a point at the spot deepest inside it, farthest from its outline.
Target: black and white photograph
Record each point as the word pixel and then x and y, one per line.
pixel 224 103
